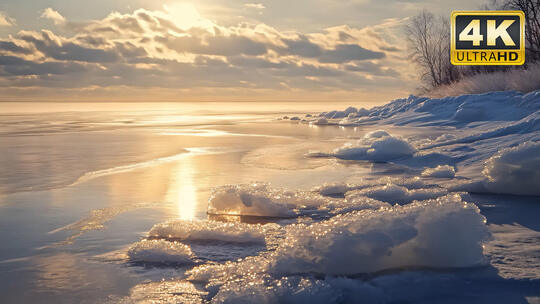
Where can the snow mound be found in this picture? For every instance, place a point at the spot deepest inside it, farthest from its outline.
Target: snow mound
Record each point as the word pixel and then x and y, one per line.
pixel 378 146
pixel 444 171
pixel 440 233
pixel 160 251
pixel 515 170
pixel 182 230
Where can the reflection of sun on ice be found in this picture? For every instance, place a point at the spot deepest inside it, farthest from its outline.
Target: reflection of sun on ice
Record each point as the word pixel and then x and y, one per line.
pixel 182 189
pixel 185 15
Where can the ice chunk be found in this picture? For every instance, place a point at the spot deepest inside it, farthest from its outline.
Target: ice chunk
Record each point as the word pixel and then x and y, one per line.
pixel 160 251
pixel 253 199
pixel 440 172
pixel 376 146
pixel 398 194
pixel 332 189
pixel 515 170
pixel 440 233
pixel 446 232
pixel 321 121
pixel 184 230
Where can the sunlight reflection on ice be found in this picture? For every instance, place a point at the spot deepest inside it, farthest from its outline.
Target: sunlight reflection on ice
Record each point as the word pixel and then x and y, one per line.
pixel 183 190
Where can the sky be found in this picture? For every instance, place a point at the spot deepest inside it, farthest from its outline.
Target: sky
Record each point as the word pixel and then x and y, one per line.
pixel 209 50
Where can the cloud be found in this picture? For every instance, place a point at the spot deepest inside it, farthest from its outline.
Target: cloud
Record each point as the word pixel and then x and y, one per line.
pixel 349 52
pixel 5 20
pixel 54 16
pixel 151 49
pixel 255 5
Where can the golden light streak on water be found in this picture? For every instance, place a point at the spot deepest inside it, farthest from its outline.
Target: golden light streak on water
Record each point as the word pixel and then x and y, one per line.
pixel 183 189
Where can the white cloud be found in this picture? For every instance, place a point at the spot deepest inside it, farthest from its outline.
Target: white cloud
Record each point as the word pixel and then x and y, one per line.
pixel 255 5
pixel 54 16
pixel 147 48
pixel 5 20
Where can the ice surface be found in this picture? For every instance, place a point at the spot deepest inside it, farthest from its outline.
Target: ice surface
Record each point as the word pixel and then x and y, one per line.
pixel 186 230
pixel 514 251
pixel 160 251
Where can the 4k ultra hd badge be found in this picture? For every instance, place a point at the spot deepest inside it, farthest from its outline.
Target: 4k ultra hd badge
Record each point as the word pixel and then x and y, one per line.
pixel 488 38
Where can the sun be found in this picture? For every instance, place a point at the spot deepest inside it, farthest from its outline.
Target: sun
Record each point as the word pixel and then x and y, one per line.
pixel 184 14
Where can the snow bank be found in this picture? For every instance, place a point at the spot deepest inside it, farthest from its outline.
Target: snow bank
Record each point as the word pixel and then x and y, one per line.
pixel 182 230
pixel 444 171
pixel 456 111
pixel 459 133
pixel 160 251
pixel 515 170
pixel 377 146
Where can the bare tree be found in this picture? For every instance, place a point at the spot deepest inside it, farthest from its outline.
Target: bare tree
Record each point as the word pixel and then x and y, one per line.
pixel 429 47
pixel 531 8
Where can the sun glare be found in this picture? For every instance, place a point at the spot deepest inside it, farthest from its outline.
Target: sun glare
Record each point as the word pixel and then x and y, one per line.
pixel 183 190
pixel 184 14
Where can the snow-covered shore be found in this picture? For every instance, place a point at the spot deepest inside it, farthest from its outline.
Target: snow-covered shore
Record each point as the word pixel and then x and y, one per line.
pixel 363 242
pixel 492 139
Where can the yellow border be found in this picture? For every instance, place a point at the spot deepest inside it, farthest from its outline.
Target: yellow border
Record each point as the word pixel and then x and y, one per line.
pixel 496 13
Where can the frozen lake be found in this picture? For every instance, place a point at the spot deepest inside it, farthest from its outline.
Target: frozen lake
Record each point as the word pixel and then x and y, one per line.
pixel 108 203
